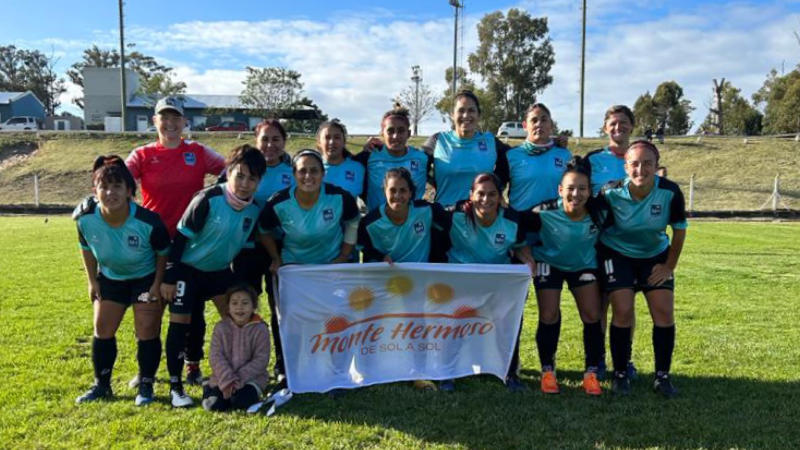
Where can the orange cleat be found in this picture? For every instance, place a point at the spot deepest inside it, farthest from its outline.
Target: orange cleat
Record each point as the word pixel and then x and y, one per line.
pixel 590 384
pixel 549 383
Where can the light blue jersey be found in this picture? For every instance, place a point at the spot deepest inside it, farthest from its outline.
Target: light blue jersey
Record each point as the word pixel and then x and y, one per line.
pixel 457 161
pixel 410 241
pixel 565 244
pixel 484 245
pixel 638 229
pixel 534 175
pixel 312 236
pixel 380 161
pixel 606 167
pixel 348 175
pixel 275 178
pixel 126 252
pixel 215 232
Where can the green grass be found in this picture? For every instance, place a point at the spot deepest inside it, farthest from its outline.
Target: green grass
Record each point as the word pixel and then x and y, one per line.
pixel 735 364
pixel 729 174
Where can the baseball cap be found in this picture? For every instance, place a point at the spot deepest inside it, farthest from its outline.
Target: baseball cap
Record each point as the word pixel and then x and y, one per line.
pixel 172 103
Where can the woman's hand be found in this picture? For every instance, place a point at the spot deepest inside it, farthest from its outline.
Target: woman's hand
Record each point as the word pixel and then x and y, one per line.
pixel 388 259
pixel 94 290
pixel 168 292
pixel 275 265
pixel 659 274
pixel 372 144
pixel 155 292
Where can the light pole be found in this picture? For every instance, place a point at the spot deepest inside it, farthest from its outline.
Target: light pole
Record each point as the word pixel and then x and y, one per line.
pixel 583 65
pixel 416 78
pixel 456 5
pixel 122 67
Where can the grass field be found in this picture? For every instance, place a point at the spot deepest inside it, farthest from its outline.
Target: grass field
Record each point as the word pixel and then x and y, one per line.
pixel 729 174
pixel 736 365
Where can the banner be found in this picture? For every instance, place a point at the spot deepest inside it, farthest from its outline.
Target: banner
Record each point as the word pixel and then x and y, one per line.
pixel 353 325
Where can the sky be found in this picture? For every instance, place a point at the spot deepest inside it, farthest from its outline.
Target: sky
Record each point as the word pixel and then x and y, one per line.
pixel 355 56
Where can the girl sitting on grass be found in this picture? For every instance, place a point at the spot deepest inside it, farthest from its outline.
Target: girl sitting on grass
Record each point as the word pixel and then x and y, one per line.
pixel 239 354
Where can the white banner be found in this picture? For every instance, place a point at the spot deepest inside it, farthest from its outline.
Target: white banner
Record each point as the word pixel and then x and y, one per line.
pixel 353 325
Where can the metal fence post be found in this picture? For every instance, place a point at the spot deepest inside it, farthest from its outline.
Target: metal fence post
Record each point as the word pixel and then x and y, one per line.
pixel 36 189
pixel 691 193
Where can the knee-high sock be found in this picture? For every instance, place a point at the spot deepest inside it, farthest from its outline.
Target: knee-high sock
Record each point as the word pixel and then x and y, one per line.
pixel 148 353
pixel 547 341
pixel 104 353
pixel 513 367
pixel 663 345
pixel 197 333
pixel 593 343
pixel 176 342
pixel 620 339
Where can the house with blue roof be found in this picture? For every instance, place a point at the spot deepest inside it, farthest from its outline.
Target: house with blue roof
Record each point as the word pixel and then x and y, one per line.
pixel 20 104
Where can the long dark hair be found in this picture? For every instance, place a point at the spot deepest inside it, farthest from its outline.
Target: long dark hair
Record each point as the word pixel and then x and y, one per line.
pixel 111 168
pixel 467 206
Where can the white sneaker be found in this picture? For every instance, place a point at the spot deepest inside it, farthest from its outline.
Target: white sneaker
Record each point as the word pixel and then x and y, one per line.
pixel 134 383
pixel 180 399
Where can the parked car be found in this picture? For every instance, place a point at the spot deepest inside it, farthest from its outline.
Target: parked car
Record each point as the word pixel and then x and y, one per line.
pixel 228 125
pixel 20 123
pixel 511 129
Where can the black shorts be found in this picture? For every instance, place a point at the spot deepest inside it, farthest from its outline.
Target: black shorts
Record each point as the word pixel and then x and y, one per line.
pixel 194 285
pixel 251 266
pixel 623 272
pixel 549 277
pixel 126 292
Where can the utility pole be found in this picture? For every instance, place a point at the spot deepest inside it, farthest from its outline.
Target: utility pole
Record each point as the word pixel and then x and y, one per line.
pixel 455 5
pixel 123 87
pixel 416 78
pixel 583 65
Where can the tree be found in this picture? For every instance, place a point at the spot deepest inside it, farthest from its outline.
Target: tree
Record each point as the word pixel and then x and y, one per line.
pixel 155 79
pixel 514 58
pixel 740 117
pixel 419 104
pixel 308 125
pixel 780 97
pixel 271 91
pixel 666 110
pixel 31 70
pixel 491 114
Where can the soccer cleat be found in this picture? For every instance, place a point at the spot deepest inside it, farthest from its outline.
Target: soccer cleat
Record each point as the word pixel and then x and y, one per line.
pixel 179 398
pixel 630 369
pixel 425 385
pixel 590 384
pixel 134 382
pixel 447 385
pixel 96 392
pixel 549 382
pixel 601 369
pixel 663 386
pixel 209 402
pixel 514 384
pixel 621 384
pixel 145 395
pixel 194 377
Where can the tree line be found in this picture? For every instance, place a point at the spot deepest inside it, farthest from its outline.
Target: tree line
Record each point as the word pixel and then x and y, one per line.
pixel 508 70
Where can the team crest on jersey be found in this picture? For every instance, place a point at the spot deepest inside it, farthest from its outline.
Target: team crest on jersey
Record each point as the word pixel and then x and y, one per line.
pixel 414 166
pixel 246 223
pixel 286 180
pixel 133 241
pixel 593 228
pixel 655 210
pixel 558 162
pixel 482 146
pixel 419 227
pixel 327 214
pixel 500 238
pixel 189 158
pixel 349 175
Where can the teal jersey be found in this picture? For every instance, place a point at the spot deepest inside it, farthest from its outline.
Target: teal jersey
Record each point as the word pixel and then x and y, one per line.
pixel 565 244
pixel 606 167
pixel 457 161
pixel 125 252
pixel 312 236
pixel 638 227
pixel 378 162
pixel 275 178
pixel 348 175
pixel 534 175
pixel 214 231
pixel 410 241
pixel 484 245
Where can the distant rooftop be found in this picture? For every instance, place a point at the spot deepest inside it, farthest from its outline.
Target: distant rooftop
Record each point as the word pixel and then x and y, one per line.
pixel 192 101
pixel 8 97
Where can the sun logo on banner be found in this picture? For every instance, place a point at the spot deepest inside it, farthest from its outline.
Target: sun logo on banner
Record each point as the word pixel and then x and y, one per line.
pixel 399 285
pixel 440 293
pixel 361 298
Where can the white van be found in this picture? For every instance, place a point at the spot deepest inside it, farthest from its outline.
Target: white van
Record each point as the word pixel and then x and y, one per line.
pixel 20 123
pixel 511 129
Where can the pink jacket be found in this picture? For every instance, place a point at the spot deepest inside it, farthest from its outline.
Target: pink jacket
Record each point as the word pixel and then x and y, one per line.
pixel 239 355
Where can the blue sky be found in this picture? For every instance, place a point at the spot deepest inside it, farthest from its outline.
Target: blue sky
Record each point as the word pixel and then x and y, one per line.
pixel 355 55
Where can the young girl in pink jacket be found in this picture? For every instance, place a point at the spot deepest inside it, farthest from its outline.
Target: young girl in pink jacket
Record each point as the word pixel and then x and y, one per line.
pixel 239 354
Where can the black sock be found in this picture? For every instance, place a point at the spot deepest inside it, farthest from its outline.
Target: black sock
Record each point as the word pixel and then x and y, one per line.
pixel 176 342
pixel 593 343
pixel 663 345
pixel 620 339
pixel 197 333
pixel 148 353
pixel 547 341
pixel 104 353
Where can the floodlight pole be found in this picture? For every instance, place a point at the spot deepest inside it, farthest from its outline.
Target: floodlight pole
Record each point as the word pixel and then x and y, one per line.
pixel 416 78
pixel 123 87
pixel 583 66
pixel 455 5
